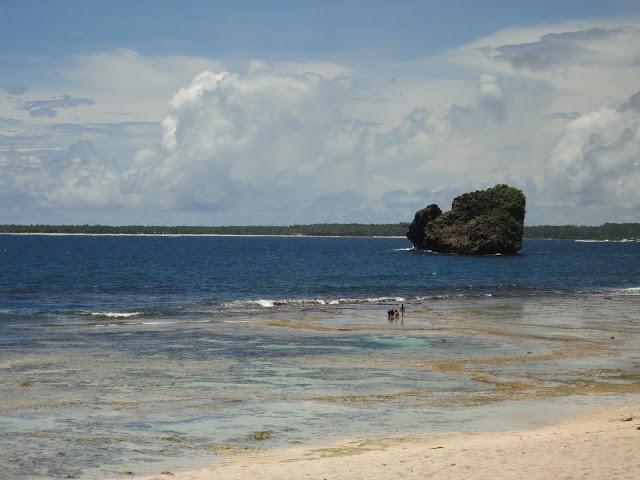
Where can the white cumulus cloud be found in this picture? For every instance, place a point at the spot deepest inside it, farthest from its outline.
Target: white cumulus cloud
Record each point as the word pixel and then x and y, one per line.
pixel 597 160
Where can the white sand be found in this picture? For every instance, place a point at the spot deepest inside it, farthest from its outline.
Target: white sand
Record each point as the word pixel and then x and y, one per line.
pixel 601 445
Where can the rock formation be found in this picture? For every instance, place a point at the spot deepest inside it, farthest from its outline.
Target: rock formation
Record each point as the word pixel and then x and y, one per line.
pixel 420 221
pixel 479 223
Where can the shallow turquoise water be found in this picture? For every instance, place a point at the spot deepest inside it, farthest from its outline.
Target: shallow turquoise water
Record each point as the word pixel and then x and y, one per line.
pixel 86 400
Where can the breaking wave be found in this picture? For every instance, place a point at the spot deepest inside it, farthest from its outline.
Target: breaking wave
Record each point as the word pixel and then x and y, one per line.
pixel 627 291
pixel 117 314
pixel 259 304
pixel 271 303
pixel 624 240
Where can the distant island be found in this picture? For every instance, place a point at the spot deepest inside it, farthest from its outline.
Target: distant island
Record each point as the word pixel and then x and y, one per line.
pixel 608 231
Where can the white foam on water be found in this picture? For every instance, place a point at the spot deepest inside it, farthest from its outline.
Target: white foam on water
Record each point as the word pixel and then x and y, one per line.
pixel 432 297
pixel 408 249
pixel 270 303
pixel 627 291
pixel 116 314
pixel 264 303
pixel 624 240
pixel 347 300
pixel 385 299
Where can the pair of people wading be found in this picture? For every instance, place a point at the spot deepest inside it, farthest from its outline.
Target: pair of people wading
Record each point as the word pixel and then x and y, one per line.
pixel 394 314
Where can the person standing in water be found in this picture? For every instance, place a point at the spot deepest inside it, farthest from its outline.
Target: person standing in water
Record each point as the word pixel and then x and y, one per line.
pixel 402 309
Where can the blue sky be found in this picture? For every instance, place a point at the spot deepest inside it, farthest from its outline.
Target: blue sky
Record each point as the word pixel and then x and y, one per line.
pixel 277 30
pixel 281 112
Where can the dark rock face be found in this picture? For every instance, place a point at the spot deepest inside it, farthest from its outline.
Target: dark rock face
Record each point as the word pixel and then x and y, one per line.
pixel 417 227
pixel 479 223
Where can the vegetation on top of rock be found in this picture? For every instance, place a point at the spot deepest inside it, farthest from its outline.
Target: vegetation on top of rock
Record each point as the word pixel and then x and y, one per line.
pixel 501 203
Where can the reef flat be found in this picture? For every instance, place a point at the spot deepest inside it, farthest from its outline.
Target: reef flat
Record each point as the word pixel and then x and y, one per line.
pixel 84 400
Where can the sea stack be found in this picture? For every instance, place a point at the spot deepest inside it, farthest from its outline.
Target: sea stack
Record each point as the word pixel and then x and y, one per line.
pixel 479 223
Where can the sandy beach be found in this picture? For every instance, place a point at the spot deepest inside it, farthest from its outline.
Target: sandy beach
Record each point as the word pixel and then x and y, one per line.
pixel 601 445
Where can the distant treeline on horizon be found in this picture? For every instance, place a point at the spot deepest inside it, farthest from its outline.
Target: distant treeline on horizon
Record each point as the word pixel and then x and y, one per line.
pixel 608 231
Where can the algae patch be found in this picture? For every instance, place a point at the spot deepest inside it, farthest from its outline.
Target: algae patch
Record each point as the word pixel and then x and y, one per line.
pixel 260 436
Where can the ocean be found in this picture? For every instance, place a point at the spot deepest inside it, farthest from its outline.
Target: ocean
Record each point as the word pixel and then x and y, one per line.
pixel 156 353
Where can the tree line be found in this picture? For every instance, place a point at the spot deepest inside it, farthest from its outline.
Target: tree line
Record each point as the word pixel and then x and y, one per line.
pixel 320 229
pixel 608 231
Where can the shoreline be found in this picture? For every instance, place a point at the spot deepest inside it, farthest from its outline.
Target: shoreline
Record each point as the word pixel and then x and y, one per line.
pixel 193 235
pixel 574 448
pixel 301 235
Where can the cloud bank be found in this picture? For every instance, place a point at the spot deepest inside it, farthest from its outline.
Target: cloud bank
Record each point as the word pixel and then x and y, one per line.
pixel 554 110
pixel 597 159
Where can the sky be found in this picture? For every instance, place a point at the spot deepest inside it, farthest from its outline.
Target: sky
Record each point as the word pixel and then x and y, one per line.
pixel 281 112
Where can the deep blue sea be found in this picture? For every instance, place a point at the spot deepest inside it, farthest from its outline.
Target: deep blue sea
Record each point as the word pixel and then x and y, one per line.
pixel 52 275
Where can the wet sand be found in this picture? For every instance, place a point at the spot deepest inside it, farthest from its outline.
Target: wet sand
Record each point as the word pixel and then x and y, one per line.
pixel 601 445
